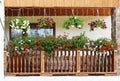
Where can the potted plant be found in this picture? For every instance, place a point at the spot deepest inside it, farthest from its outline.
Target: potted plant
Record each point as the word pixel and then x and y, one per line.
pixel 45 22
pixel 73 22
pixel 20 23
pixel 97 24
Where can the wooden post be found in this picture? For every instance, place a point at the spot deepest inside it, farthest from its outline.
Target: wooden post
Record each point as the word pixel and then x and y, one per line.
pixel 42 62
pixel 115 61
pixel 5 62
pixel 78 61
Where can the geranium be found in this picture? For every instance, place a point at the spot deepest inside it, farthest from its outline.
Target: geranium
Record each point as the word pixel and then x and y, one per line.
pixel 97 23
pixel 45 22
pixel 19 23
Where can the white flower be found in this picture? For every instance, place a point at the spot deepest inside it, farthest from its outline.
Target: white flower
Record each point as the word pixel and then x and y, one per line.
pixel 17 27
pixel 79 26
pixel 18 52
pixel 17 21
pixel 72 26
pixel 22 48
pixel 75 17
pixel 29 40
pixel 23 27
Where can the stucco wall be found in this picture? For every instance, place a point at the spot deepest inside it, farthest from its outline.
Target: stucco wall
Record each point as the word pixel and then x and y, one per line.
pixel 97 33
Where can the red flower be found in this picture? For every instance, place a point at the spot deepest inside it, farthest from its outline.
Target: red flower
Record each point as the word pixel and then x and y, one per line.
pixel 10 44
pixel 44 38
pixel 108 43
pixel 15 53
pixel 36 47
pixel 116 46
pixel 38 42
pixel 101 50
pixel 53 47
pixel 58 44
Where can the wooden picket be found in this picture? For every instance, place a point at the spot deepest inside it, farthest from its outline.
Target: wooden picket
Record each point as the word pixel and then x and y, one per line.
pixel 64 62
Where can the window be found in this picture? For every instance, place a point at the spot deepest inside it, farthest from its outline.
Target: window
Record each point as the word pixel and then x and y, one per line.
pixel 33 31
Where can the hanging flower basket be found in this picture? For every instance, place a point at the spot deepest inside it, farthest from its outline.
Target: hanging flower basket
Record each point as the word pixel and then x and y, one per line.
pixel 45 22
pixel 19 23
pixel 73 22
pixel 97 24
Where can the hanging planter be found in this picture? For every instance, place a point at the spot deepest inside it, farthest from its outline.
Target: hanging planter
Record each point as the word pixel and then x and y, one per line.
pixel 73 22
pixel 20 23
pixel 97 24
pixel 45 22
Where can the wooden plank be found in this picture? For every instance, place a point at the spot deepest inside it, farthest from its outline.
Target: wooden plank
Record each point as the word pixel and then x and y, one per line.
pixel 32 63
pixel 10 64
pixel 106 63
pixel 78 61
pixel 57 61
pixel 95 61
pixel 13 63
pixel 17 67
pixel 91 61
pixel 64 68
pixel 110 55
pixel 86 60
pixel 25 63
pixel 5 62
pixel 54 60
pixel 73 61
pixel 29 59
pixel 42 62
pixel 98 62
pixel 65 60
pixel 115 61
pixel 47 57
pixel 37 64
pixel 21 63
pixel 61 61
pixel 82 61
pixel 102 62
pixel 68 61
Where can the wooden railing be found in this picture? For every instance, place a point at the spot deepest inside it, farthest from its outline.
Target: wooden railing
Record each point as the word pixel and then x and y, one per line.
pixel 73 62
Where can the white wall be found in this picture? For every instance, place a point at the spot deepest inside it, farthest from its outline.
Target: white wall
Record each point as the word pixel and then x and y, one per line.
pixel 97 33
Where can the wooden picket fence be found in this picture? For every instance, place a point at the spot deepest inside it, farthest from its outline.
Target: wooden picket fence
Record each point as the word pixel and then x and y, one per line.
pixel 73 62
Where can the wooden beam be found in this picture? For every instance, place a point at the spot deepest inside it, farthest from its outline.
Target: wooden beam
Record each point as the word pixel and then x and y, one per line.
pixel 57 11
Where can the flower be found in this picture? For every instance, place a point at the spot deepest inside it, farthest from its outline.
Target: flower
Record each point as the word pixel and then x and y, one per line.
pixel 19 23
pixel 97 23
pixel 45 22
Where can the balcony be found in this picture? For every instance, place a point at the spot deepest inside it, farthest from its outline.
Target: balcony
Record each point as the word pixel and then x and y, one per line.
pixel 61 62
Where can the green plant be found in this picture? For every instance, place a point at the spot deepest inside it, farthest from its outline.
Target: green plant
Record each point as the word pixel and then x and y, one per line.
pixel 80 41
pixel 45 22
pixel 73 22
pixel 19 23
pixel 49 44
